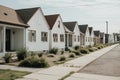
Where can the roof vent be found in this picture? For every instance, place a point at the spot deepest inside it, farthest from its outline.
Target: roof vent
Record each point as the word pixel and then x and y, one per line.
pixel 5 14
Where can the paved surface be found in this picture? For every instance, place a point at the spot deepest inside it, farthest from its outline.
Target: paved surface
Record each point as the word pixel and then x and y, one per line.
pixel 20 68
pixel 59 71
pixel 83 76
pixel 108 64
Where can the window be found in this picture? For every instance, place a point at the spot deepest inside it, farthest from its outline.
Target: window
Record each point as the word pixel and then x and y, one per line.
pixel 44 36
pixel 58 24
pixel 75 38
pixel 61 37
pixel 32 35
pixel 86 39
pixel 55 37
pixel 78 38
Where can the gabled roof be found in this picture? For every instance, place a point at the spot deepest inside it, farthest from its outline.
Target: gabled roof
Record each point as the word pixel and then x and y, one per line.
pixel 51 19
pixel 83 28
pixel 90 29
pixel 26 14
pixel 10 16
pixel 67 30
pixel 97 33
pixel 102 34
pixel 70 25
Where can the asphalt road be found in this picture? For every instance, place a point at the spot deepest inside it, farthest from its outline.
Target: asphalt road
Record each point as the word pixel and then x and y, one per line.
pixel 108 64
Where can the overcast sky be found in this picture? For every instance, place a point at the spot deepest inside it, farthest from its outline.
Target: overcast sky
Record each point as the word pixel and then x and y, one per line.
pixel 92 12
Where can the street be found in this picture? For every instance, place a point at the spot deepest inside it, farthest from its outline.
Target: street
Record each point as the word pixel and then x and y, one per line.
pixel 108 64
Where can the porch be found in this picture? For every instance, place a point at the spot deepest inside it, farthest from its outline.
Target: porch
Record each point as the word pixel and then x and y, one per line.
pixel 12 38
pixel 68 40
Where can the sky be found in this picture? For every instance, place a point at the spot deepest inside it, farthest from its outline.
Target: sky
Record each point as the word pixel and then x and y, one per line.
pixel 95 13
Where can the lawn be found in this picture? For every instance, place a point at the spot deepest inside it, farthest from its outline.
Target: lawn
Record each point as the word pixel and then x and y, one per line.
pixel 11 75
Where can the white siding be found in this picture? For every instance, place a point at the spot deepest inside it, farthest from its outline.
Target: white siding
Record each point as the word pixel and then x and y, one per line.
pixel 39 24
pixel 87 35
pixel 76 33
pixel 55 29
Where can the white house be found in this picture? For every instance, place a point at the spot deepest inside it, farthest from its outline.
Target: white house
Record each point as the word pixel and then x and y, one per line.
pixel 73 27
pixel 85 30
pixel 96 37
pixel 12 30
pixel 91 39
pixel 37 35
pixel 102 38
pixel 57 31
pixel 25 28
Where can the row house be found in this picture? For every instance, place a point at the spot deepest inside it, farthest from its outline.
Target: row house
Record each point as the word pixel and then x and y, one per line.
pixel 91 39
pixel 75 37
pixel 85 30
pixel 96 37
pixel 57 31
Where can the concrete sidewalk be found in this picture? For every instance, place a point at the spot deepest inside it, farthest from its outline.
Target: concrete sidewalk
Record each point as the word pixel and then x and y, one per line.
pixel 20 68
pixel 59 71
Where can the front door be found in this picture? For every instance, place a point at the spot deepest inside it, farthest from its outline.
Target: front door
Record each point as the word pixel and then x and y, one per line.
pixel 8 39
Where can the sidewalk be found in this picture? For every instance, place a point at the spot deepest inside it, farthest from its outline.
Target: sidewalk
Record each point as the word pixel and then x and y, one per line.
pixel 57 72
pixel 20 68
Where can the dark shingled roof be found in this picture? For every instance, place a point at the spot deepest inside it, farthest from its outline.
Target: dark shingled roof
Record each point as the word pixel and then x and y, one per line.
pixel 90 29
pixel 97 33
pixel 70 25
pixel 102 34
pixel 51 19
pixel 83 28
pixel 26 14
pixel 10 16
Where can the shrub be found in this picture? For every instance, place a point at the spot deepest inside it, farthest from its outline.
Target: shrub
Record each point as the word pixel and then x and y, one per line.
pixel 22 54
pixel 40 54
pixel 95 48
pixel 99 47
pixel 71 56
pixel 91 49
pixel 76 47
pixel 7 57
pixel 66 49
pixel 62 58
pixel 54 51
pixel 62 52
pixel 76 52
pixel 84 51
pixel 50 55
pixel 34 61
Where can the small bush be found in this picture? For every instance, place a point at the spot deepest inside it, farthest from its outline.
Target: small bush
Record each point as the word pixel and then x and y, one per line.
pixel 76 47
pixel 62 58
pixel 66 49
pixel 91 49
pixel 22 54
pixel 50 55
pixel 7 57
pixel 34 61
pixel 62 52
pixel 40 54
pixel 95 48
pixel 54 51
pixel 84 51
pixel 71 56
pixel 76 52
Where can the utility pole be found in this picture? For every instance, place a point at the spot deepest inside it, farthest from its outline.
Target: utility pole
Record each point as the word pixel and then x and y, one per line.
pixel 107 27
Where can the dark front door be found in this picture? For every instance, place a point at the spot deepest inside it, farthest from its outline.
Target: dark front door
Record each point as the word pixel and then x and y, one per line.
pixel 8 39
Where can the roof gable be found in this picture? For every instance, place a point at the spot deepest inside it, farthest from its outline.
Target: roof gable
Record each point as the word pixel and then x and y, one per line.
pixel 90 30
pixel 70 25
pixel 10 16
pixel 83 28
pixel 97 33
pixel 51 19
pixel 26 14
